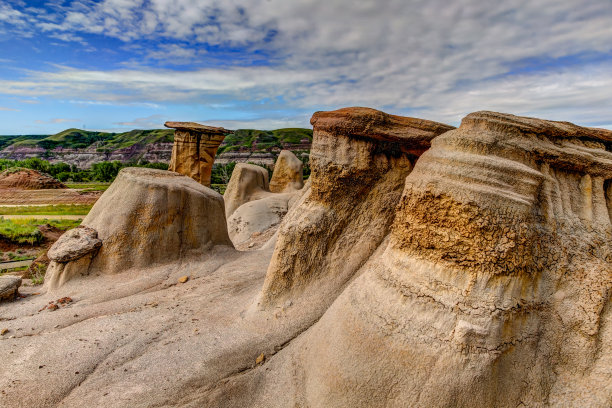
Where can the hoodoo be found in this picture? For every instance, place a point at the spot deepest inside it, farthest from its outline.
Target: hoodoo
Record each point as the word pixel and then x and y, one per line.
pixel 194 150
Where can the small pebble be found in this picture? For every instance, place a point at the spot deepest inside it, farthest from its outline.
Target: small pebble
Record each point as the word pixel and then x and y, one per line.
pixel 183 279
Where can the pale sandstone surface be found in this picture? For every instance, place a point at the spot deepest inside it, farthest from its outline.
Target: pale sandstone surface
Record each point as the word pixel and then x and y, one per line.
pixel 248 182
pixel 147 217
pixel 288 173
pixel 487 283
pixel 194 149
pixel 493 290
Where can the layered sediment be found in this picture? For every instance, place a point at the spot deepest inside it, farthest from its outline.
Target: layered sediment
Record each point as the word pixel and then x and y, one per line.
pixel 194 150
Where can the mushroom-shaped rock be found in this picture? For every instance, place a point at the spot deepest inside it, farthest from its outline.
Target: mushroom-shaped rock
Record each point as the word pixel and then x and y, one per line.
pixel 9 285
pixel 288 173
pixel 359 160
pixel 194 150
pixel 149 217
pixel 74 244
pixel 248 182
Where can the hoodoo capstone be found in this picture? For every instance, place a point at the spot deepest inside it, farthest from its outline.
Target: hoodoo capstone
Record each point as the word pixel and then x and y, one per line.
pixel 194 150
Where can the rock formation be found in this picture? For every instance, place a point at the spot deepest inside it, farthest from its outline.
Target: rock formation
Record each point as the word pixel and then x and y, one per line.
pixel 288 173
pixel 27 179
pixel 475 273
pixel 9 286
pixel 494 288
pixel 73 245
pixel 194 150
pixel 146 217
pixel 359 160
pixel 248 182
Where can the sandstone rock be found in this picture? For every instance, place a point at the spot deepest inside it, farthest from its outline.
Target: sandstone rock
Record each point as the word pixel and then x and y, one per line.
pixel 257 216
pixel 494 289
pixel 9 286
pixel 288 173
pixel 359 160
pixel 74 244
pixel 194 150
pixel 27 179
pixel 248 182
pixel 148 217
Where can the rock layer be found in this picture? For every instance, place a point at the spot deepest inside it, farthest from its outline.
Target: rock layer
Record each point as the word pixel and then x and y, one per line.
pixel 194 150
pixel 359 160
pixel 288 173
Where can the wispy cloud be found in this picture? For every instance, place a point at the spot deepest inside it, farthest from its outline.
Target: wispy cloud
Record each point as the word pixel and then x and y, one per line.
pixel 431 58
pixel 4 108
pixel 57 120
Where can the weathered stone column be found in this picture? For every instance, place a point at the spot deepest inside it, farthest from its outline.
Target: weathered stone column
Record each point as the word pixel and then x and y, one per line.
pixel 194 150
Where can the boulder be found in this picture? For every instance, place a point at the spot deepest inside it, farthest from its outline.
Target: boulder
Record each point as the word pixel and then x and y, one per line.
pixel 146 217
pixel 74 244
pixel 9 286
pixel 248 182
pixel 288 173
pixel 359 160
pixel 194 150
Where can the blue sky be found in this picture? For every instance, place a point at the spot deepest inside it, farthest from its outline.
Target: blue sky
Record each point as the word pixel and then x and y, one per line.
pixel 124 64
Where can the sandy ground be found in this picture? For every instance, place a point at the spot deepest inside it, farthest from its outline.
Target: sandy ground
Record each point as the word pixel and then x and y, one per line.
pixel 52 196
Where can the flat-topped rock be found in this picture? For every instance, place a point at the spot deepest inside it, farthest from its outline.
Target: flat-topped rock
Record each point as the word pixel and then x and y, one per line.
pixel 194 150
pixel 74 244
pixel 9 285
pixel 374 124
pixel 193 126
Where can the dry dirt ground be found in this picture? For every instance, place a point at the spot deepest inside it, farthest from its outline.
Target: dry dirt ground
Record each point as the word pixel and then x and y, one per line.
pixel 50 196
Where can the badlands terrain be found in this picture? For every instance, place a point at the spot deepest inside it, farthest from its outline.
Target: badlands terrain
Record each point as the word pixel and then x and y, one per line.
pixel 419 265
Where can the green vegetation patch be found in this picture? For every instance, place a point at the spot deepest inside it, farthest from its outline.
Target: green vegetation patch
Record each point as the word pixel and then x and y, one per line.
pixel 59 209
pixel 25 231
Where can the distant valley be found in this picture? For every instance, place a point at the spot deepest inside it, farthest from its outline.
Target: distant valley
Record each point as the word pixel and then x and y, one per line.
pixel 82 148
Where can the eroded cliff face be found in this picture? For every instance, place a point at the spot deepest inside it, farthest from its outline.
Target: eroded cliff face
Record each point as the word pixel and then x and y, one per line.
pixel 359 160
pixel 494 288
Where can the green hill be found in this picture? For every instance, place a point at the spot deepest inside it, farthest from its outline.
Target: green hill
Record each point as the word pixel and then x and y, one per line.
pixel 251 139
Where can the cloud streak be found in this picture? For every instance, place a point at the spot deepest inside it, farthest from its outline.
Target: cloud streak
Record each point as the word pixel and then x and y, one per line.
pixel 436 59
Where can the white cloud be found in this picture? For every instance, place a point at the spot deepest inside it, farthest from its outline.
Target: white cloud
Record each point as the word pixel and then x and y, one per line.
pixel 432 58
pixel 4 108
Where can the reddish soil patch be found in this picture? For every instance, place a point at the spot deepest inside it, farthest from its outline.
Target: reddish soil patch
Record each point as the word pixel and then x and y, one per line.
pixel 27 179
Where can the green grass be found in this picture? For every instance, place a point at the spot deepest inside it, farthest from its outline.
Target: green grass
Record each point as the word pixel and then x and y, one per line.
pixel 219 188
pixel 59 209
pixel 88 186
pixel 25 231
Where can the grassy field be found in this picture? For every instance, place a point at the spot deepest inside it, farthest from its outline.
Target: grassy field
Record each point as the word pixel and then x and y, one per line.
pixel 58 209
pixel 88 186
pixel 25 231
